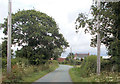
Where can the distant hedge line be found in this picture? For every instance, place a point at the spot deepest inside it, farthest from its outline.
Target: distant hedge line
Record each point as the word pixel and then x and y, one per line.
pixel 89 66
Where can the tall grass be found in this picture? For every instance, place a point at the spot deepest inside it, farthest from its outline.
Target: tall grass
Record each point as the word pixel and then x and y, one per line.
pixel 87 71
pixel 104 77
pixel 22 71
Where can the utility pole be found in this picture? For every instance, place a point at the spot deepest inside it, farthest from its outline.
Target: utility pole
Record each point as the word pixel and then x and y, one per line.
pixel 98 40
pixel 71 52
pixel 71 49
pixel 9 39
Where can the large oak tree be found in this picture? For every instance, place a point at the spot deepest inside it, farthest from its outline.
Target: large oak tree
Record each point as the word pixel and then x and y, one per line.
pixel 37 33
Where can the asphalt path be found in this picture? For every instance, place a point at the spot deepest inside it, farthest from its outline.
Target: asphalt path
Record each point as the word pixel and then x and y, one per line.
pixel 61 74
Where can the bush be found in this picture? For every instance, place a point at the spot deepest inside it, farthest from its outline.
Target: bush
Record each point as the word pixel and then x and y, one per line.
pixel 78 62
pixel 15 75
pixel 52 64
pixel 106 65
pixel 19 61
pixel 21 69
pixel 4 63
pixel 88 66
pixel 109 65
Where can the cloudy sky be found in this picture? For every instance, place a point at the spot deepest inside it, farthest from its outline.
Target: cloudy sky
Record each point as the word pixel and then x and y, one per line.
pixel 65 13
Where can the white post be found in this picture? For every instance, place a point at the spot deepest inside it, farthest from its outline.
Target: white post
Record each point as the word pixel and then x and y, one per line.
pixel 98 40
pixel 9 39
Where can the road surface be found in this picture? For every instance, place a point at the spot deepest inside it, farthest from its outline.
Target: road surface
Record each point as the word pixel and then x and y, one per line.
pixel 61 74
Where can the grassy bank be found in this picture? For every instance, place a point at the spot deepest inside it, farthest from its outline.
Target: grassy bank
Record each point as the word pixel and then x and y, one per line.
pixel 36 75
pixel 28 73
pixel 104 77
pixel 86 72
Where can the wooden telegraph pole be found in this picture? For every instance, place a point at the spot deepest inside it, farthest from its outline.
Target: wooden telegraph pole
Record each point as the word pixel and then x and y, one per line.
pixel 9 39
pixel 98 40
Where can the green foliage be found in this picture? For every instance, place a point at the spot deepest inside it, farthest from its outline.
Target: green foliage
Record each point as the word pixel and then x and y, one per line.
pixel 78 62
pixel 53 64
pixel 105 77
pixel 88 66
pixel 70 59
pixel 114 49
pixel 87 71
pixel 18 65
pixel 18 61
pixel 4 49
pixel 21 72
pixel 106 65
pixel 57 53
pixel 38 34
pixel 109 19
pixel 109 66
pixel 106 20
pixel 0 50
pixel 4 63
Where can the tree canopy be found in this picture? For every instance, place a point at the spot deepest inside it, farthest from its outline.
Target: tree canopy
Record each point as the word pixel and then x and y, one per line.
pixel 37 33
pixel 109 17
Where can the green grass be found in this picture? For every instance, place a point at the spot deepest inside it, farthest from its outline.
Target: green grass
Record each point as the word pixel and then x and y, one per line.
pixel 29 73
pixel 104 77
pixel 75 77
pixel 36 75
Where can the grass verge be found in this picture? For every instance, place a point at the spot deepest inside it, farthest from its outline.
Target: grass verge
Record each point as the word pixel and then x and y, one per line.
pixel 104 77
pixel 36 75
pixel 30 73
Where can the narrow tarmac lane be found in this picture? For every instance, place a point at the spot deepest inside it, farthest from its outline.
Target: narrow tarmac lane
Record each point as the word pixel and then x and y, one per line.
pixel 61 74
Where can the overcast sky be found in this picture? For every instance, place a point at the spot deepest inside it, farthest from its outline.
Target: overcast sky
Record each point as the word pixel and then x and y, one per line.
pixel 65 13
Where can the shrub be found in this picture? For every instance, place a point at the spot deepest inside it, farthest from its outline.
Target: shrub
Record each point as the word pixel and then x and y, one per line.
pixel 52 64
pixel 78 62
pixel 20 70
pixel 106 65
pixel 4 63
pixel 19 61
pixel 15 75
pixel 109 65
pixel 88 66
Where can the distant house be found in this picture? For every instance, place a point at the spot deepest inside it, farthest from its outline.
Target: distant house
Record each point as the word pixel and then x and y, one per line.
pixel 61 59
pixel 81 56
